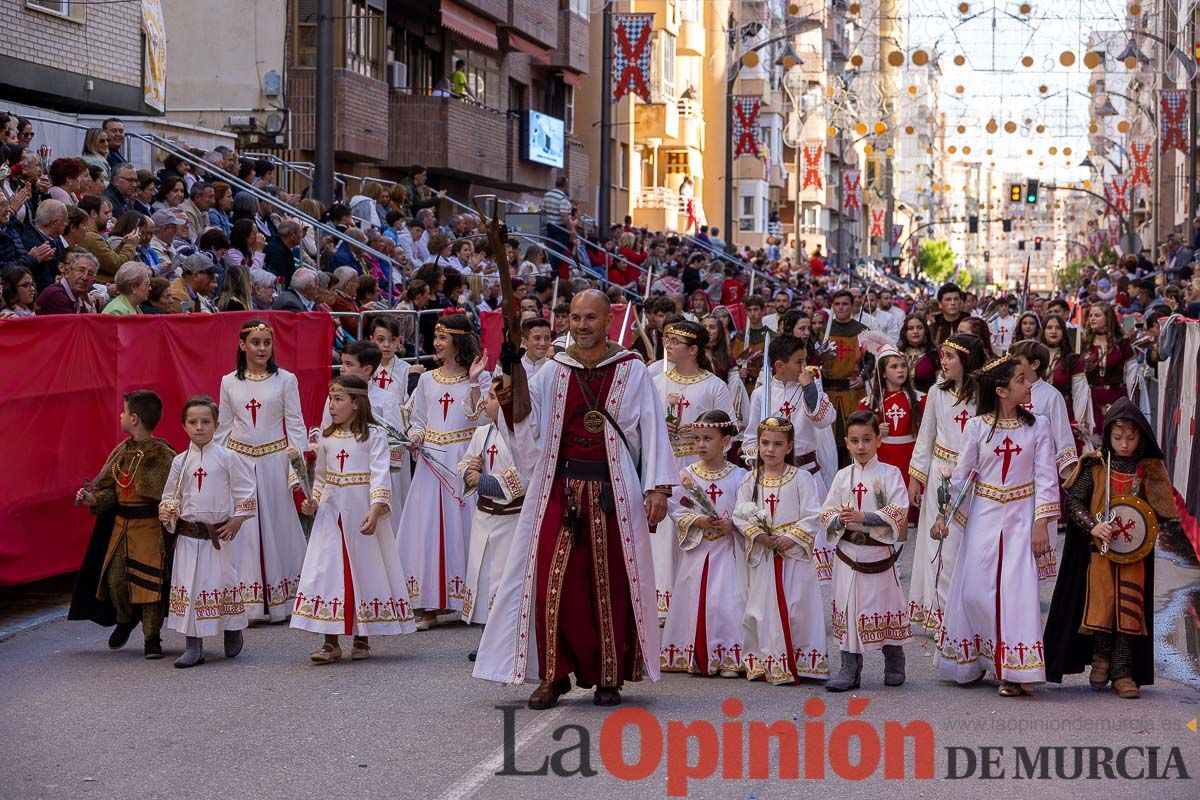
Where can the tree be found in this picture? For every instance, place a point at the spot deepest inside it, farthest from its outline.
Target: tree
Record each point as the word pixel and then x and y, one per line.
pixel 935 260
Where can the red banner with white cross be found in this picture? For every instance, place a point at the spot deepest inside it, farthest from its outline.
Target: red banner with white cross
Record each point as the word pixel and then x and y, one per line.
pixel 631 55
pixel 852 186
pixel 745 126
pixel 813 154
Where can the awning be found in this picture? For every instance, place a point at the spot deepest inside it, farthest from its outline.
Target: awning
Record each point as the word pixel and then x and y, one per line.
pixel 571 78
pixel 519 42
pixel 468 24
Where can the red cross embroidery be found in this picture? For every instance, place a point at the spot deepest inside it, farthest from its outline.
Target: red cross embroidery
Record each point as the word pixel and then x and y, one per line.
pixel 199 475
pixel 894 414
pixel 341 457
pixel 747 143
pixel 772 501
pixel 491 451
pixel 1124 526
pixel 786 409
pixel 812 171
pixel 961 419
pixel 858 492
pixel 253 406
pixel 446 400
pixel 383 379
pixel 632 77
pixel 680 405
pixel 714 492
pixel 1007 452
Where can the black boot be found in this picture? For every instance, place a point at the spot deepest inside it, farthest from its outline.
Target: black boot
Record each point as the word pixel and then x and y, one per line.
pixel 893 665
pixel 120 634
pixel 153 649
pixel 848 676
pixel 233 643
pixel 193 654
pixel 472 655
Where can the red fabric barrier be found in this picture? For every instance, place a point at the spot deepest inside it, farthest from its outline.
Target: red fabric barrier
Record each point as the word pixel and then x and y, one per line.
pixel 62 381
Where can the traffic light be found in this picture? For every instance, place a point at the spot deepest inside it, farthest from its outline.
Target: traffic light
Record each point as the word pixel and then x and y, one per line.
pixel 1031 191
pixel 1037 243
pixel 1007 224
pixel 1021 245
pixel 1014 192
pixel 973 223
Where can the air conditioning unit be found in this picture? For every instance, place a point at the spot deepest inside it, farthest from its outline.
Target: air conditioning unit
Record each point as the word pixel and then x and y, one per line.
pixel 397 74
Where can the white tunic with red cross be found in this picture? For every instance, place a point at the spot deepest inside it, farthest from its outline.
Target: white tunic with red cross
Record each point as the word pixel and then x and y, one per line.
pixel 491 534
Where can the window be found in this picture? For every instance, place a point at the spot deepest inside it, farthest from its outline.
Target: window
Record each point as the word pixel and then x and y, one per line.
pixel 622 164
pixel 746 219
pixel 364 39
pixel 61 8
pixel 689 10
pixel 483 75
pixel 664 62
pixel 409 49
pixel 580 8
pixel 569 109
pixel 516 96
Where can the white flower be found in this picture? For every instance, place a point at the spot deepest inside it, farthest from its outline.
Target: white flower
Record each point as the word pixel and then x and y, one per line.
pixel 747 510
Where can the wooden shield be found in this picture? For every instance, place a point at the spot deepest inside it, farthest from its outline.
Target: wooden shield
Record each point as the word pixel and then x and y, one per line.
pixel 1137 530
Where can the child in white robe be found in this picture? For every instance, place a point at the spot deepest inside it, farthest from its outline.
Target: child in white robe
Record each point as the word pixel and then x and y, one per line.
pixel 993 611
pixel 488 472
pixel 352 582
pixel 211 494
pixel 703 633
pixel 777 512
pixel 393 376
pixel 865 514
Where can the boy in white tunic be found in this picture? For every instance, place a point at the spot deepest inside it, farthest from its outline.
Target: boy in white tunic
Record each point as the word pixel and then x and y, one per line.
pixel 210 495
pixel 783 631
pixel 865 514
pixel 352 582
pixel 993 612
pixel 535 338
pixel 488 472
pixel 393 377
pixel 703 634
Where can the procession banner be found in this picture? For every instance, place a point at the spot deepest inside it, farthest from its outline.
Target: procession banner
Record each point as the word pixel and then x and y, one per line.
pixel 63 378
pixel 631 55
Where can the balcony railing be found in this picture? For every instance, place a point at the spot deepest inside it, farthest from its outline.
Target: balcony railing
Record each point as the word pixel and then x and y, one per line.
pixel 450 134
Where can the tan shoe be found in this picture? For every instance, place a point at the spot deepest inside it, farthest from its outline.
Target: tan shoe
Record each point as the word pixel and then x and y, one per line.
pixel 427 620
pixel 547 694
pixel 360 651
pixel 1126 689
pixel 327 654
pixel 1098 677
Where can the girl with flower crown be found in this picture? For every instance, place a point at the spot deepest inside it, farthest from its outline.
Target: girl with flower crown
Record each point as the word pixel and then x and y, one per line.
pixel 260 421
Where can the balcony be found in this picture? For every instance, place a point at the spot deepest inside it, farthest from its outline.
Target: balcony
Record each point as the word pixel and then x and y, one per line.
pixel 495 9
pixel 449 135
pixel 574 40
pixel 693 38
pixel 536 20
pixel 666 14
pixel 691 124
pixel 362 121
pixel 656 121
pixel 659 208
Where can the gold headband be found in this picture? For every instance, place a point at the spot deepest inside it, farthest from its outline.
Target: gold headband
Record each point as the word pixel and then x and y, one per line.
pixel 440 328
pixel 671 330
pixel 258 327
pixel 775 424
pixel 995 362
pixel 338 388
pixel 956 346
pixel 715 425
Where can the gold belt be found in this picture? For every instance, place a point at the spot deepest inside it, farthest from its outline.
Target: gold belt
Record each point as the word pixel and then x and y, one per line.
pixel 257 450
pixel 1001 494
pixel 945 454
pixel 683 448
pixel 449 437
pixel 348 478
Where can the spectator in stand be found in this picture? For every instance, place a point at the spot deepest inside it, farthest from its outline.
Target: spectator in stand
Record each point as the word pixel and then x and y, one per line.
pixel 108 260
pixel 190 292
pixel 439 249
pixel 245 245
pixel 428 221
pixel 301 294
pixel 394 227
pixel 147 190
pixel 167 224
pixel 114 129
pixel 367 294
pixel 311 243
pixel 28 179
pixel 237 290
pixel 364 208
pixel 420 194
pixel 76 232
pixel 245 206
pixel 715 239
pixel 171 193
pixel 133 289
pixel 345 296
pixel 70 294
pixel 267 221
pixel 195 209
pixel 282 254
pixel 24 133
pixel 95 150
pixel 65 176
pixel 12 247
pixel 19 292
pixel 159 299
pixel 173 167
pixel 218 214
pixel 129 226
pixel 408 234
pixel 262 285
pixel 463 258
pixel 50 223
pixel 122 189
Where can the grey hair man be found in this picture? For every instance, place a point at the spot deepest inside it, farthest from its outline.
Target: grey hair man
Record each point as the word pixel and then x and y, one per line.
pixel 301 295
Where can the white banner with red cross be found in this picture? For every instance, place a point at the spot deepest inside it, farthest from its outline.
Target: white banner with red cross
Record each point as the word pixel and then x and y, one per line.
pixel 1116 192
pixel 897 231
pixel 1114 232
pixel 631 55
pixel 877 222
pixel 813 155
pixel 852 186
pixel 1139 152
pixel 1174 120
pixel 748 141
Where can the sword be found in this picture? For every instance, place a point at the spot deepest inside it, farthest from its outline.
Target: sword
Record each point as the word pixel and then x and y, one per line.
pixel 1107 514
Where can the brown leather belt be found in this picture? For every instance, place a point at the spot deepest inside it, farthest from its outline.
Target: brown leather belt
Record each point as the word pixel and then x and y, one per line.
pixel 836 384
pixel 488 506
pixel 862 538
pixel 868 567
pixel 199 530
pixel 137 512
pixel 806 459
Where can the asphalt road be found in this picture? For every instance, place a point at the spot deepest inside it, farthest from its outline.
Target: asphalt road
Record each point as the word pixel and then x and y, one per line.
pixel 83 722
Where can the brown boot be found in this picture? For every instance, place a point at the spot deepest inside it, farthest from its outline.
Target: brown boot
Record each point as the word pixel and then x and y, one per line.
pixel 547 693
pixel 1098 677
pixel 1126 689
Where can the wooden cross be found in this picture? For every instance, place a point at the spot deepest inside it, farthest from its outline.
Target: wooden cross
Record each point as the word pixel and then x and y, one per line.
pixel 446 400
pixel 341 457
pixel 1009 450
pixel 199 475
pixel 253 406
